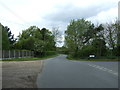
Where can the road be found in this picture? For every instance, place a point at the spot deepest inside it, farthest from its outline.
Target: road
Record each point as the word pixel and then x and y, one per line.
pixel 59 72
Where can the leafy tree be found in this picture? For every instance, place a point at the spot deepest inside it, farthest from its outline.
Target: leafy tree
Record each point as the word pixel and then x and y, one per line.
pixel 0 36
pixel 100 47
pixel 27 38
pixel 117 29
pixel 111 34
pixel 11 38
pixel 75 35
pixel 8 39
pixel 35 39
pixel 5 39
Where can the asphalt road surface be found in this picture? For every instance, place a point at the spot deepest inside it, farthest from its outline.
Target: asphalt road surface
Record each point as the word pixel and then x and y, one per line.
pixel 59 72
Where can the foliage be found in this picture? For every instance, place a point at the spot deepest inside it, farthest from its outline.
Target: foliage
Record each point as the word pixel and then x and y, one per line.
pixel 5 39
pixel 83 38
pixel 35 39
pixel 87 50
pixel 75 34
pixel 8 39
pixel 62 50
pixel 99 47
pixel 57 36
pixel 49 53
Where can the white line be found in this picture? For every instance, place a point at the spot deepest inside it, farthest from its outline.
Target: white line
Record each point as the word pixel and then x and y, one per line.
pixel 103 69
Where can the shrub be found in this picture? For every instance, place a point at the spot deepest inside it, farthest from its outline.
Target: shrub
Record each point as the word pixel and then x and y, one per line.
pixel 48 53
pixel 86 51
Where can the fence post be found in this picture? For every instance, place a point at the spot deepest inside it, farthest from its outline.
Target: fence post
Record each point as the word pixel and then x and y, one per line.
pixel 29 53
pixel 9 53
pixel 22 53
pixel 19 54
pixel 32 54
pixel 3 54
pixel 26 54
pixel 14 53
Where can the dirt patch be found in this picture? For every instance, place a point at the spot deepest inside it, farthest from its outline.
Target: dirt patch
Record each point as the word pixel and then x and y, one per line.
pixel 20 74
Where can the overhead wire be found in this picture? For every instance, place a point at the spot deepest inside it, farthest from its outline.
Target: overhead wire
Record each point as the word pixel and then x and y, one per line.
pixel 15 14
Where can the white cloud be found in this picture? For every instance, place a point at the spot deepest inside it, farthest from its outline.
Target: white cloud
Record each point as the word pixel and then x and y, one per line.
pixel 20 14
pixel 105 16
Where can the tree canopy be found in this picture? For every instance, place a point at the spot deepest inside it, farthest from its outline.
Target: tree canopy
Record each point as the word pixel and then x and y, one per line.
pixel 35 39
pixel 83 38
pixel 8 39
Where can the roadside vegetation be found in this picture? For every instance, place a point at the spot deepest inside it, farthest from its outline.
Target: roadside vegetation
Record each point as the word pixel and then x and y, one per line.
pixel 83 38
pixel 41 41
pixel 94 59
pixel 30 58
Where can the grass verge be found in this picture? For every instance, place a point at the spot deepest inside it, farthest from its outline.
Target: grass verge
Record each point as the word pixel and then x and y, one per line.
pixel 92 59
pixel 30 58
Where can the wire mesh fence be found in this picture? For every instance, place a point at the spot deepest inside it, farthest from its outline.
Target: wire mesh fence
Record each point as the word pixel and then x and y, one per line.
pixel 7 54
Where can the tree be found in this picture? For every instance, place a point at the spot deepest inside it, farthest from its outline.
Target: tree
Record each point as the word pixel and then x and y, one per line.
pixel 35 39
pixel 8 39
pixel 111 36
pixel 27 38
pixel 48 39
pixel 57 36
pixel 100 47
pixel 11 38
pixel 5 39
pixel 117 29
pixel 0 36
pixel 75 37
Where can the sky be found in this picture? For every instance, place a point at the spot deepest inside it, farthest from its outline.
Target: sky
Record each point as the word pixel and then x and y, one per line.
pixel 18 15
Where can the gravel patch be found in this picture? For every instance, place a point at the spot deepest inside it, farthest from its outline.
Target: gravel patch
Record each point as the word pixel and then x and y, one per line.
pixel 20 74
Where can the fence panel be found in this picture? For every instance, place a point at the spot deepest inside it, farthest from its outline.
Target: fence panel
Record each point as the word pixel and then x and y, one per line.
pixel 6 54
pixel 12 53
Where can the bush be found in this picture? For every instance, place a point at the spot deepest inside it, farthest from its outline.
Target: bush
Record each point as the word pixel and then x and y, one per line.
pixel 48 53
pixel 43 54
pixel 86 51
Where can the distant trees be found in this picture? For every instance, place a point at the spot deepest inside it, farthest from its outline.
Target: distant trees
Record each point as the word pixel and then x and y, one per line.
pixel 83 38
pixel 57 35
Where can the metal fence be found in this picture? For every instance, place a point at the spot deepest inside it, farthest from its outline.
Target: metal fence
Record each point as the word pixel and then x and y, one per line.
pixel 7 54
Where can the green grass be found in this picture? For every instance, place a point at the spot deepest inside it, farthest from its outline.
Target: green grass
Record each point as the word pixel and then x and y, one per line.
pixel 30 59
pixel 78 59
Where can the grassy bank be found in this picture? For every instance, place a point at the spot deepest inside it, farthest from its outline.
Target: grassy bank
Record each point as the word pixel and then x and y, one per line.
pixel 31 58
pixel 91 59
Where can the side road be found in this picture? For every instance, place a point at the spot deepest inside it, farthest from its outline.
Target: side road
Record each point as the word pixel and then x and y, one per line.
pixel 20 74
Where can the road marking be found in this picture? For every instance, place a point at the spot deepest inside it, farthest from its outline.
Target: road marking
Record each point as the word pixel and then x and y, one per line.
pixel 103 69
pixel 100 68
